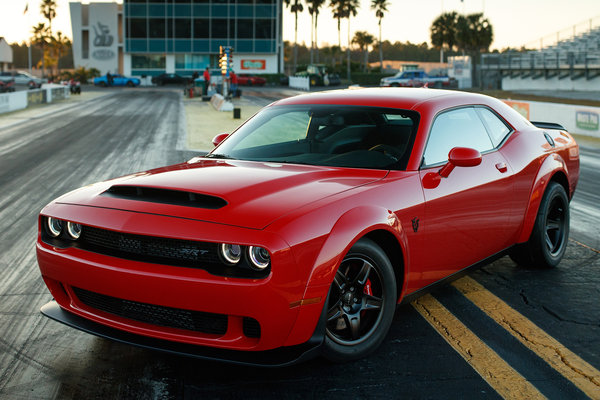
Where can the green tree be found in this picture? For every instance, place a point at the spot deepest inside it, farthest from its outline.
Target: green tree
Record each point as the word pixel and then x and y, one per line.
pixel 363 40
pixel 474 33
pixel 380 8
pixel 59 45
pixel 350 10
pixel 443 32
pixel 41 38
pixel 48 10
pixel 313 9
pixel 295 7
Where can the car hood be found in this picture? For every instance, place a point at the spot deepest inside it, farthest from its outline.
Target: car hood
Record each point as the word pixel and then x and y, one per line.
pixel 239 193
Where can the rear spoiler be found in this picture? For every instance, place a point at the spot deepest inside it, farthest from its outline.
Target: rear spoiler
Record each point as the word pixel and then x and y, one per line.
pixel 548 125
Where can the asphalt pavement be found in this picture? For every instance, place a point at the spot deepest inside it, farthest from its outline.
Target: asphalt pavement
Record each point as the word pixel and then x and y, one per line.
pixel 545 325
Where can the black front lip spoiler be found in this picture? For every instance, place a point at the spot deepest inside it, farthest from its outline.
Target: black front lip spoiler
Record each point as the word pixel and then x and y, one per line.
pixel 281 357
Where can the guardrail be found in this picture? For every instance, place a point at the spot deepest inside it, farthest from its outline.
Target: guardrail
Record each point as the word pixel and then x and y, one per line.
pixel 19 100
pixel 300 82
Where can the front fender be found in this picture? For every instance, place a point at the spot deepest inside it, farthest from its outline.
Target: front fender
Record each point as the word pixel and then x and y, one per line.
pixel 552 164
pixel 347 230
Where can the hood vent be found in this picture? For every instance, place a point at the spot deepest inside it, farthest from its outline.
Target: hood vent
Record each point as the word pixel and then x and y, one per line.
pixel 165 196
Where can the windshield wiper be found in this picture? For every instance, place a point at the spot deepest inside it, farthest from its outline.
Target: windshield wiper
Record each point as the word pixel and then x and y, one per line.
pixel 221 156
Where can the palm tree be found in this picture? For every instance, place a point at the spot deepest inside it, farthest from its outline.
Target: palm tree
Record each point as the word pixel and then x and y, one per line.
pixel 295 7
pixel 313 9
pixel 60 44
pixel 339 12
pixel 380 7
pixel 474 35
pixel 351 9
pixel 443 32
pixel 48 10
pixel 363 39
pixel 41 38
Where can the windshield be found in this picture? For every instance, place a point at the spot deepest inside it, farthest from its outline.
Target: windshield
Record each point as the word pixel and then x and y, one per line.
pixel 340 136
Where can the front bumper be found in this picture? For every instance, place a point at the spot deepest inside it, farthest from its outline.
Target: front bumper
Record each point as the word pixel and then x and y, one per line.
pixel 271 358
pixel 275 302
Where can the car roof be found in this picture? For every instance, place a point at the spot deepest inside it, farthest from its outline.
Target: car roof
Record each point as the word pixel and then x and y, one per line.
pixel 419 99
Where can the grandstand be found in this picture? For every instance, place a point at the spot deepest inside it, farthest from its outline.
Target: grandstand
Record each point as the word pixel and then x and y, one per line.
pixel 569 64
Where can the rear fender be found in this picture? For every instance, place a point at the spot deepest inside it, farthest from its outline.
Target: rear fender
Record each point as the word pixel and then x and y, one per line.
pixel 550 166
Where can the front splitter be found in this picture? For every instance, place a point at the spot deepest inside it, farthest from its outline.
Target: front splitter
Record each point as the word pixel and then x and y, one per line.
pixel 271 358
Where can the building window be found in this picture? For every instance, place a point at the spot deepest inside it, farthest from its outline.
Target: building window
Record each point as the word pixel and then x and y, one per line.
pixel 192 61
pixel 85 44
pixel 245 29
pixel 219 28
pixel 264 28
pixel 148 61
pixel 183 28
pixel 157 27
pixel 202 28
pixel 137 28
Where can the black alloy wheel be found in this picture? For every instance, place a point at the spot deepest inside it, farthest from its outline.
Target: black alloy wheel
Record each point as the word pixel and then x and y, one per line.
pixel 548 241
pixel 361 303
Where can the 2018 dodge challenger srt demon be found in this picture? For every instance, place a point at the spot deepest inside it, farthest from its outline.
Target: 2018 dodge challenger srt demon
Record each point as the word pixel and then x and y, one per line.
pixel 300 232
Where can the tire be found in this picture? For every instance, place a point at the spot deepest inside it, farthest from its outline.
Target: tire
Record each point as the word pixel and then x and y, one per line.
pixel 131 84
pixel 103 84
pixel 394 85
pixel 361 303
pixel 313 82
pixel 548 241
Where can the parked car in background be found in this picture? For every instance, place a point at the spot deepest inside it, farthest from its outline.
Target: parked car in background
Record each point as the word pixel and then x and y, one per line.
pixel 7 86
pixel 167 79
pixel 251 80
pixel 117 80
pixel 418 78
pixel 304 228
pixel 22 78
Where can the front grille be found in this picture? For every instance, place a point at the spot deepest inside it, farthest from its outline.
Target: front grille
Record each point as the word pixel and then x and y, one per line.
pixel 184 253
pixel 196 321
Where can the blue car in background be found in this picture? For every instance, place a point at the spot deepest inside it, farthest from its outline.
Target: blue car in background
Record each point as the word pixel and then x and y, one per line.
pixel 117 80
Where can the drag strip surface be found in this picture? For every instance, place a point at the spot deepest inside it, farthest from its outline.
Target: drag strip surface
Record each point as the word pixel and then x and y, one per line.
pixel 134 130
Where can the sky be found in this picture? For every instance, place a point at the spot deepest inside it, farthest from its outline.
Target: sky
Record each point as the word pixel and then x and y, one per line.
pixel 515 22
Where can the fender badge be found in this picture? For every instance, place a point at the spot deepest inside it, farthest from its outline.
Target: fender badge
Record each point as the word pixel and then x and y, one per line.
pixel 415 224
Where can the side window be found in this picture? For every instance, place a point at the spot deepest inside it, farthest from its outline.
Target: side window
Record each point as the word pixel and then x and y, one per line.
pixel 456 128
pixel 496 127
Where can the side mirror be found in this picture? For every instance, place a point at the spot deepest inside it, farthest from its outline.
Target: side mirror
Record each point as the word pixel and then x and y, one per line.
pixel 460 157
pixel 219 138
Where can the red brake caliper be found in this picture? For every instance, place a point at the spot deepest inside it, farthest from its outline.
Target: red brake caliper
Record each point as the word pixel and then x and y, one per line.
pixel 367 289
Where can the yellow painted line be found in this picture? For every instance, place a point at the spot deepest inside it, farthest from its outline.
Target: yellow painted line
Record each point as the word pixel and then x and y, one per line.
pixel 563 360
pixel 493 369
pixel 584 245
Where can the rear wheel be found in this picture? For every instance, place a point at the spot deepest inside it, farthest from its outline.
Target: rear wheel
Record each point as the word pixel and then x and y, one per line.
pixel 130 84
pixel 550 234
pixel 361 304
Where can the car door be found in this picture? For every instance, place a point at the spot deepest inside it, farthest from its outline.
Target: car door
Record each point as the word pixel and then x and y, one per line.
pixel 467 213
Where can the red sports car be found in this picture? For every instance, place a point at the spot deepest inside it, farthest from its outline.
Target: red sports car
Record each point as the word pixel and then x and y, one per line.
pixel 301 231
pixel 251 80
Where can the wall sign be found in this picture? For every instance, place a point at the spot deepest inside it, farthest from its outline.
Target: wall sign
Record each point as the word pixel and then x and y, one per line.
pixel 254 64
pixel 587 120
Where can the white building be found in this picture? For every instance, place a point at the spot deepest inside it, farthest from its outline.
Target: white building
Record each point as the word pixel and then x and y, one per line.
pixel 6 54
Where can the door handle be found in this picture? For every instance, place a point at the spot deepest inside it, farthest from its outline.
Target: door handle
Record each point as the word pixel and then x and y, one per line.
pixel 501 167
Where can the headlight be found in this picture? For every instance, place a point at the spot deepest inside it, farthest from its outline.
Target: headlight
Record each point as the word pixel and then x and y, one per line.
pixel 232 253
pixel 259 257
pixel 74 230
pixel 54 226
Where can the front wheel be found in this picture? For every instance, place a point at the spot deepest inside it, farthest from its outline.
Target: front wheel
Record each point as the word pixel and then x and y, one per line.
pixel 548 241
pixel 131 84
pixel 361 303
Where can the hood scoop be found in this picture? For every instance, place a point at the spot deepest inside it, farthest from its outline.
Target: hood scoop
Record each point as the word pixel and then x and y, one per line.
pixel 165 196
